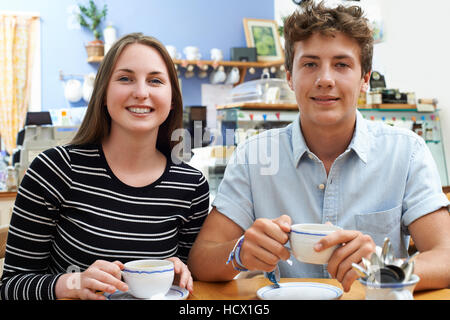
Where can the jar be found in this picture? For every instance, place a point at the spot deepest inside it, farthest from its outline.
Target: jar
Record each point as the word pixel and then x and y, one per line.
pixel 11 179
pixel 110 36
pixel 411 97
pixel 429 136
pixel 368 99
pixel 362 100
pixel 377 98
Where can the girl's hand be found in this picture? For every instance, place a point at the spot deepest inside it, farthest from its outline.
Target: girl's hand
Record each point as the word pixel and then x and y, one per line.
pixel 183 276
pixel 100 276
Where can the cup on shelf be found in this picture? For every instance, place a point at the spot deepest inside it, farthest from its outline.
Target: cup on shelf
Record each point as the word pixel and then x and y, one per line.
pixel 216 54
pixel 192 53
pixel 172 50
pixel 88 86
pixel 73 90
pixel 203 70
pixel 189 74
pixel 218 76
pixel 233 76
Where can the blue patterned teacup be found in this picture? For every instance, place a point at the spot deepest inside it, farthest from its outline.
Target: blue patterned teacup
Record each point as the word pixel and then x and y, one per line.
pixel 148 278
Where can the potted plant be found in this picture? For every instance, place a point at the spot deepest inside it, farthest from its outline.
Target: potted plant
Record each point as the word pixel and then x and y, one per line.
pixel 90 17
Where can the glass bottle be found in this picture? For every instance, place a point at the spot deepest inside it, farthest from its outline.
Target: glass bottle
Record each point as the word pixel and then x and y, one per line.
pixel 11 179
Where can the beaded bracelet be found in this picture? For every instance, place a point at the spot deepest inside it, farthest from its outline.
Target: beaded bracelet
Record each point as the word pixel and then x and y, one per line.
pixel 234 254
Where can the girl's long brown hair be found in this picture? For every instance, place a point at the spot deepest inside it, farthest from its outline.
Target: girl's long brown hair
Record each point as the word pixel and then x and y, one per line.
pixel 96 124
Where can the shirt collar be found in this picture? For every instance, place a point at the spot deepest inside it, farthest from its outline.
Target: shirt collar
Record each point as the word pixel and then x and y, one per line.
pixel 299 146
pixel 359 143
pixel 361 139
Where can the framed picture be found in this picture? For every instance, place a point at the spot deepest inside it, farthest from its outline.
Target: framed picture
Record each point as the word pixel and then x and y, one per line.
pixel 263 35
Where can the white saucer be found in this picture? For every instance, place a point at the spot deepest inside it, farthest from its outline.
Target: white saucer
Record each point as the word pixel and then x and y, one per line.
pixel 299 291
pixel 175 293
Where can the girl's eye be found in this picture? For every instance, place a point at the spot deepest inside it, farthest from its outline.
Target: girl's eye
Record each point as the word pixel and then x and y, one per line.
pixel 123 79
pixel 155 81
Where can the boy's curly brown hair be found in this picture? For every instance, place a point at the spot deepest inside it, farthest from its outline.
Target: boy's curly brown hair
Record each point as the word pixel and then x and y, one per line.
pixel 317 18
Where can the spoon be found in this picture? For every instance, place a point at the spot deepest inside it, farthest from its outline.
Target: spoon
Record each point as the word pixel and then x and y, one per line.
pixel 385 251
pixel 409 269
pixel 375 260
pixel 367 264
pixel 403 268
pixel 389 260
pixel 407 260
pixel 274 276
pixel 360 270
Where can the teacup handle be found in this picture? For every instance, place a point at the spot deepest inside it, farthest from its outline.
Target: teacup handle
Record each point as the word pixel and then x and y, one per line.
pixel 289 261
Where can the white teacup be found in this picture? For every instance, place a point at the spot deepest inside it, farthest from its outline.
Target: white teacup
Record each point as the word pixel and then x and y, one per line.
pixel 192 53
pixel 218 76
pixel 233 76
pixel 172 50
pixel 303 237
pixel 216 54
pixel 73 91
pixel 148 278
pixel 88 86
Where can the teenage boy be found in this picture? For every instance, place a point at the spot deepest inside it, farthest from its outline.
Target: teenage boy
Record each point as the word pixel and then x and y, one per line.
pixel 373 180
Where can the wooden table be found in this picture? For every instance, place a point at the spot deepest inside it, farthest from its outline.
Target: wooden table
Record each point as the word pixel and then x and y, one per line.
pixel 245 289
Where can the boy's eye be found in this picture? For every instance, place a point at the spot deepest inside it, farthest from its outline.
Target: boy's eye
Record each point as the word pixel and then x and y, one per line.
pixel 309 64
pixel 341 65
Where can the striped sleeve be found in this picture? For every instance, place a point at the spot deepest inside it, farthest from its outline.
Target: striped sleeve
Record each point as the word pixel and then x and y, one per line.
pixel 198 212
pixel 32 228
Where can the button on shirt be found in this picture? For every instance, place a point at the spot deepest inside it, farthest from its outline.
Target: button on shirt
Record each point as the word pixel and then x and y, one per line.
pixel 384 181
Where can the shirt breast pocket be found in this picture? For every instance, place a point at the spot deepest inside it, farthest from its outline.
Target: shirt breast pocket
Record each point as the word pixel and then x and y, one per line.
pixel 381 224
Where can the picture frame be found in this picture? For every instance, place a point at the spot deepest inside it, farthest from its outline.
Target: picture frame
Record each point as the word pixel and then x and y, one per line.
pixel 263 35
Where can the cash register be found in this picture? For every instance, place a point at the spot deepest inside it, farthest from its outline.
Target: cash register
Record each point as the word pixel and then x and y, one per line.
pixel 38 134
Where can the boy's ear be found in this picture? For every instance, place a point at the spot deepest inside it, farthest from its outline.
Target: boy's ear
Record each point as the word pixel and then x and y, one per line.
pixel 289 80
pixel 364 87
pixel 365 82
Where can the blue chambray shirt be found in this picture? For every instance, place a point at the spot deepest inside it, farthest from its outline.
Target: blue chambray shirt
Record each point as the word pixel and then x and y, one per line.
pixel 384 181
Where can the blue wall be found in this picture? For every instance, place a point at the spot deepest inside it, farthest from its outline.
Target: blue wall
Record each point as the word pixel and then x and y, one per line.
pixel 203 23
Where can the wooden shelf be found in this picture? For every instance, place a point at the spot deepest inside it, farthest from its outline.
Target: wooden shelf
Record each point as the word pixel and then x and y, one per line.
pixel 239 64
pixel 243 66
pixel 389 106
pixel 259 106
pixel 393 107
pixel 293 106
pixel 95 59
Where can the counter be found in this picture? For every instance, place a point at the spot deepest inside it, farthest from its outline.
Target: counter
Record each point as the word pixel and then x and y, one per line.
pixel 6 206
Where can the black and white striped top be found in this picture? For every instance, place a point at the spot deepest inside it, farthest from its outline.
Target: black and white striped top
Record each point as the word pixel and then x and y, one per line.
pixel 71 210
